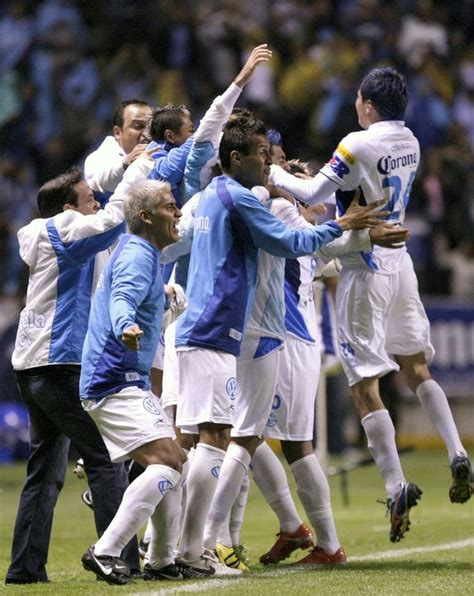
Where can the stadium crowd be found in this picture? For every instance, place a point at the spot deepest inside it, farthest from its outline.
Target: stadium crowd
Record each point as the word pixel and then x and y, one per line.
pixel 65 65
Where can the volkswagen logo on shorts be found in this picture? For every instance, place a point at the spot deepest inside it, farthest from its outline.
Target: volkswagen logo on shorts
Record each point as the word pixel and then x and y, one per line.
pixel 231 387
pixel 151 405
pixel 164 486
pixel 215 471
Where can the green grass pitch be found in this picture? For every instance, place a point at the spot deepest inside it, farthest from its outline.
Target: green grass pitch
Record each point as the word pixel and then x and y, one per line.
pixel 435 557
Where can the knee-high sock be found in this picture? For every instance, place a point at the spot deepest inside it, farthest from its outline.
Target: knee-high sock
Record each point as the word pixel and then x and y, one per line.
pixel 164 526
pixel 434 402
pixel 138 503
pixel 270 477
pixel 238 511
pixel 232 474
pixel 201 484
pixel 313 490
pixel 380 433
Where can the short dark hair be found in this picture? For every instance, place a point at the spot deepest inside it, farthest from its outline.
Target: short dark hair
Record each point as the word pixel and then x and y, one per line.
pixel 387 90
pixel 59 191
pixel 169 117
pixel 238 135
pixel 118 116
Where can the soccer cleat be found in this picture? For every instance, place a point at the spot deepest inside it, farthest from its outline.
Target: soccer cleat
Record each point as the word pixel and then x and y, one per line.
pixel 231 556
pixel 170 571
pixel 113 570
pixel 399 510
pixel 220 570
pixel 87 498
pixel 79 470
pixel 195 569
pixel 461 488
pixel 319 557
pixel 287 543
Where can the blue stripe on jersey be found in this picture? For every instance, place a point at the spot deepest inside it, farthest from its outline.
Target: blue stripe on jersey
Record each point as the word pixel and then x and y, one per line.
pixel 294 321
pixel 267 345
pixel 74 287
pixel 326 325
pixel 343 200
pixel 220 313
pixel 110 372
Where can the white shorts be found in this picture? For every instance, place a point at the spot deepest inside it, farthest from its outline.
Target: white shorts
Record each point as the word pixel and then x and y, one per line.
pixel 292 415
pixel 169 394
pixel 380 316
pixel 207 386
pixel 256 382
pixel 127 420
pixel 158 358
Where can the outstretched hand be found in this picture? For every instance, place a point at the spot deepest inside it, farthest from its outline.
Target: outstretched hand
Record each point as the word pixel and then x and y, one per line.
pixel 259 54
pixel 358 216
pixel 131 337
pixel 388 235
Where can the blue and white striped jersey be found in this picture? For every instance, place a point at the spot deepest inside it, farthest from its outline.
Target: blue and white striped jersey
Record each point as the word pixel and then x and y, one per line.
pixel 230 225
pixel 130 291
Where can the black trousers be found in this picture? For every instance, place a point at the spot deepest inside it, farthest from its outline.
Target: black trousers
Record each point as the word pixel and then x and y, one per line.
pixel 56 418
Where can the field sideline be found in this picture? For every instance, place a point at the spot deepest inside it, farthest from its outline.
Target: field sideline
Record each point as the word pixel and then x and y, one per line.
pixel 436 557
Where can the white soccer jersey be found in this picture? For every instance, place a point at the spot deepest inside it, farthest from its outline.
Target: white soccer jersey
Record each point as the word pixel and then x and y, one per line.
pixel 382 162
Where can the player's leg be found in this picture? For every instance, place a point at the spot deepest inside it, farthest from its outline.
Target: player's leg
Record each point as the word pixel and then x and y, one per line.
pixel 313 491
pixel 256 386
pixel 435 404
pixel 133 427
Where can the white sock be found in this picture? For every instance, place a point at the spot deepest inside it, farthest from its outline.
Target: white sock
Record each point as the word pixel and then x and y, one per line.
pixel 238 511
pixel 434 402
pixel 380 433
pixel 270 477
pixel 314 493
pixel 223 536
pixel 138 503
pixel 232 474
pixel 190 455
pixel 147 533
pixel 201 484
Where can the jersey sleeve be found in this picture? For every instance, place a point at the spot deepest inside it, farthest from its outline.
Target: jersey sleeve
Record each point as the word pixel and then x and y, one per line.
pixel 270 234
pixel 313 191
pixel 344 167
pixel 132 276
pixel 86 235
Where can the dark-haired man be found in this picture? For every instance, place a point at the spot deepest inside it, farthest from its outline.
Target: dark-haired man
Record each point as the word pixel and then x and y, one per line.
pixel 230 226
pixel 382 325
pixel 104 168
pixel 59 247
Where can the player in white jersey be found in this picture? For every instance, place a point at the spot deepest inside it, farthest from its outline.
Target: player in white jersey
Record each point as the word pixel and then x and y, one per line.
pixel 382 325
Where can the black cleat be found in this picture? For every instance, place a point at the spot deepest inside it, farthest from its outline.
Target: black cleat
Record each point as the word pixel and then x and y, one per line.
pixel 112 570
pixel 171 571
pixel 461 489
pixel 399 510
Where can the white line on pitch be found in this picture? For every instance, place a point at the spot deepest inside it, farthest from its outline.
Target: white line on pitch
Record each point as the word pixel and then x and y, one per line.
pixel 210 584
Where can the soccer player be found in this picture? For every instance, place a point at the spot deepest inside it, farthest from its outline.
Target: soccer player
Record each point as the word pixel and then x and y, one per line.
pixel 60 248
pixel 104 167
pixel 382 325
pixel 230 225
pixel 121 341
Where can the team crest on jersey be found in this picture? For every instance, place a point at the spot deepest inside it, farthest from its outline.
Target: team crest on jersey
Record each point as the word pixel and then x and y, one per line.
pixel 346 154
pixel 231 387
pixel 215 471
pixel 338 166
pixel 164 486
pixel 150 404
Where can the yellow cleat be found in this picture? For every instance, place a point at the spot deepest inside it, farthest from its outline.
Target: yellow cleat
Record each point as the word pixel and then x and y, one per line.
pixel 229 557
